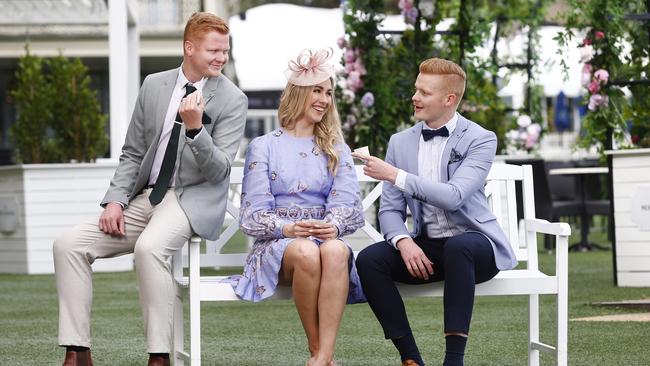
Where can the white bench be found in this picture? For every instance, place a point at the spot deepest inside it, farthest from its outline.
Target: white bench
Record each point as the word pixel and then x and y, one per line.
pixel 500 190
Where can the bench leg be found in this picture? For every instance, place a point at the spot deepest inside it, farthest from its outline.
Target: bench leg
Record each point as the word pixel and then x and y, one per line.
pixel 195 301
pixel 533 329
pixel 178 346
pixel 562 273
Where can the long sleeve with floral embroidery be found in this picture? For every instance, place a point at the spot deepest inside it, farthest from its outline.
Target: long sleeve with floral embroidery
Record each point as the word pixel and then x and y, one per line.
pixel 343 208
pixel 257 216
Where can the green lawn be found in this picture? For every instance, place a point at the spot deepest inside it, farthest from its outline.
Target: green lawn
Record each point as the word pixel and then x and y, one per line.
pixel 237 333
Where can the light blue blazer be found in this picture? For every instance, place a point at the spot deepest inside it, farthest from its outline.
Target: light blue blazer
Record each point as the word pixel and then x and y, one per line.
pixel 466 161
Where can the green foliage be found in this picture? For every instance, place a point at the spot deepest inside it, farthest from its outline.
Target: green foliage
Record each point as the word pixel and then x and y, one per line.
pixel 32 97
pixel 606 29
pixel 391 63
pixel 78 121
pixel 59 116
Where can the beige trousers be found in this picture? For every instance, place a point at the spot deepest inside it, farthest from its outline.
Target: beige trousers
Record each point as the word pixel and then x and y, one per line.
pixel 153 234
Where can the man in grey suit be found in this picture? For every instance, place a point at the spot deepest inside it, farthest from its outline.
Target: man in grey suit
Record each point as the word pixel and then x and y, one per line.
pixel 437 169
pixel 172 180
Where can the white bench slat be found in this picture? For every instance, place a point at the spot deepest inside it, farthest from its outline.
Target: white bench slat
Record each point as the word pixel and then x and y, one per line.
pixel 515 282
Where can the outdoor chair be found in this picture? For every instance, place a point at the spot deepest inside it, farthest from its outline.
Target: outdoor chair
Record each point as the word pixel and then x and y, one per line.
pixel 555 196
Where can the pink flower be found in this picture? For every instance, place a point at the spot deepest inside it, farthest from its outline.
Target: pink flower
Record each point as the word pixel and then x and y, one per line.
pixel 530 142
pixel 594 87
pixel 341 42
pixel 602 75
pixel 349 56
pixel 596 101
pixel 534 129
pixel 599 35
pixel 354 81
pixel 587 68
pixel 405 4
pixel 359 67
pixel 586 41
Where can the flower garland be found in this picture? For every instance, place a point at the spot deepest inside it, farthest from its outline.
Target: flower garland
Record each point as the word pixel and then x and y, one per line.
pixel 610 111
pixel 351 82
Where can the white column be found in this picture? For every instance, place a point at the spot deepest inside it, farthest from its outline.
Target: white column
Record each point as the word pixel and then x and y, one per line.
pixel 118 74
pixel 133 55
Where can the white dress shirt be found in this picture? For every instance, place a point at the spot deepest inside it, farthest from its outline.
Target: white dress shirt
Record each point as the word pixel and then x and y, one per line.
pixel 430 165
pixel 170 118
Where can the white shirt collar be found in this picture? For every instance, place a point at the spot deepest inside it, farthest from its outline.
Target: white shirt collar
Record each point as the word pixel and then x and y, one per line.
pixel 451 124
pixel 181 80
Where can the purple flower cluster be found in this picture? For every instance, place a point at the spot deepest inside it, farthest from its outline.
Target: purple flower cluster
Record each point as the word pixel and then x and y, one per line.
pixel 409 11
pixel 352 83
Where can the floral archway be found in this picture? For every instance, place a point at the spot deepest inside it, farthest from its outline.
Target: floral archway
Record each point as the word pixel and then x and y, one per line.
pixel 614 40
pixel 381 67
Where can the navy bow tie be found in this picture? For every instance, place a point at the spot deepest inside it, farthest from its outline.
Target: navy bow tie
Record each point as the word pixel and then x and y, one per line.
pixel 429 134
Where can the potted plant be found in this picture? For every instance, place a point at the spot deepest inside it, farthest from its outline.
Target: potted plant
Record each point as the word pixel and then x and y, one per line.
pixel 58 135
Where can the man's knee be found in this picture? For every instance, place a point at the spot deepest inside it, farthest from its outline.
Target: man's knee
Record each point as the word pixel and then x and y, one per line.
pixel 147 249
pixel 367 259
pixel 64 245
pixel 458 249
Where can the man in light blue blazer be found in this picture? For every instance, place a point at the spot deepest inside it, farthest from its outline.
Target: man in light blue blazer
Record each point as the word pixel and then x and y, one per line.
pixel 172 180
pixel 437 169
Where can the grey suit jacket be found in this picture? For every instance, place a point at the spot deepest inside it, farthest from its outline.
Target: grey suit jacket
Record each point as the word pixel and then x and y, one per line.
pixel 203 164
pixel 466 161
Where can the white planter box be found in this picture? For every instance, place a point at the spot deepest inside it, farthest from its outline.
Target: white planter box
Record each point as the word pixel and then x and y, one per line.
pixel 631 169
pixel 38 202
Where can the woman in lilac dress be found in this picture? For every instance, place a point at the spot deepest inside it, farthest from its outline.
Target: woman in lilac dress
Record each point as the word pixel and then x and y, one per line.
pixel 300 195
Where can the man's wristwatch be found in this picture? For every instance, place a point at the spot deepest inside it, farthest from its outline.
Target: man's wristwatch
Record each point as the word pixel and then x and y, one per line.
pixel 193 132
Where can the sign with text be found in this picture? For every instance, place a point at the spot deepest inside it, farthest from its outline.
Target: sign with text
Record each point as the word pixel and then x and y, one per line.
pixel 641 208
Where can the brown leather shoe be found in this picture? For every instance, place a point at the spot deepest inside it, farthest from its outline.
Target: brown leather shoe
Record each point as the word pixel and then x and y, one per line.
pixel 158 361
pixel 409 363
pixel 82 358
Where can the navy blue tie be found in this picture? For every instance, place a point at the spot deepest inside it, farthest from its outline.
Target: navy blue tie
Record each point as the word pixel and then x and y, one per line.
pixel 429 134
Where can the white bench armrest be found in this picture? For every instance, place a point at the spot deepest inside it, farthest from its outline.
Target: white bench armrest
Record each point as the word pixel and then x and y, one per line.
pixel 545 227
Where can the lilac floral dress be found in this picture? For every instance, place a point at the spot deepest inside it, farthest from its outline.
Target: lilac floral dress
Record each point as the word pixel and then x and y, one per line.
pixel 286 180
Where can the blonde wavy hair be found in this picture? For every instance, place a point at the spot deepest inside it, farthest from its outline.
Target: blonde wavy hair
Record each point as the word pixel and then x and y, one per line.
pixel 327 132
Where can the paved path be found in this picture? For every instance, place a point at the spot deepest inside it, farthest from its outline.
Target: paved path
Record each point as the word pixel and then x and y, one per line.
pixel 635 317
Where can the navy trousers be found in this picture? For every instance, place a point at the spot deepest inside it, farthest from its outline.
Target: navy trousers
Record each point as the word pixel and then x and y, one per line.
pixel 461 261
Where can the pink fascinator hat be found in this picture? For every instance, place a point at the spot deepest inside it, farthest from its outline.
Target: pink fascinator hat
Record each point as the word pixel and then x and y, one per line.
pixel 310 68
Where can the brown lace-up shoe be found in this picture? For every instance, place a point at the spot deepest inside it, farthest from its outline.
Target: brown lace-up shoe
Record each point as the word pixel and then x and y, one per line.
pixel 158 361
pixel 82 358
pixel 409 363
